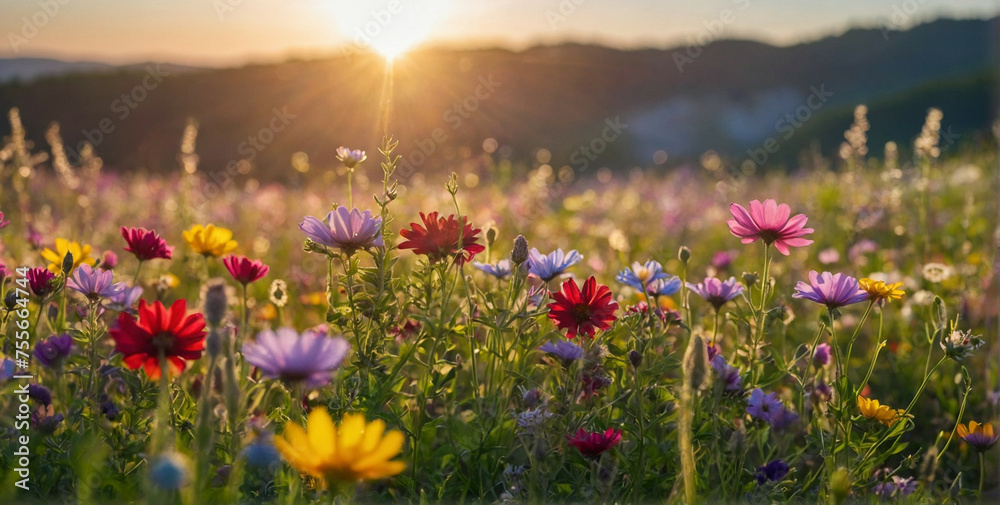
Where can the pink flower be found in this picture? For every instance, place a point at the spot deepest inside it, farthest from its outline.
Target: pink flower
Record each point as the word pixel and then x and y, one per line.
pixel 593 444
pixel 770 223
pixel 146 244
pixel 244 270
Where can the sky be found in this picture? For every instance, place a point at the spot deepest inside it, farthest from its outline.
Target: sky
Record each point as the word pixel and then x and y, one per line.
pixel 227 32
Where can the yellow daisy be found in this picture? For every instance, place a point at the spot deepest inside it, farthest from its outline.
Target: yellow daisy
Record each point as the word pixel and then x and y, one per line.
pixel 210 240
pixel 872 409
pixel 881 292
pixel 81 255
pixel 355 450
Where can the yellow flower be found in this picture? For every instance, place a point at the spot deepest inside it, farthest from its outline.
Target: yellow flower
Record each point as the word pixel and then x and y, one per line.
pixel 872 409
pixel 168 281
pixel 316 298
pixel 81 255
pixel 881 292
pixel 355 450
pixel 210 240
pixel 979 436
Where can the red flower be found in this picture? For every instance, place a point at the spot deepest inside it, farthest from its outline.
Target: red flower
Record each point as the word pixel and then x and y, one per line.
pixel 244 270
pixel 146 244
pixel 439 238
pixel 581 313
pixel 592 445
pixel 168 330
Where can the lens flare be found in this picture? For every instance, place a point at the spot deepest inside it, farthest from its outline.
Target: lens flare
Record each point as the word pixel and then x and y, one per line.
pixel 391 27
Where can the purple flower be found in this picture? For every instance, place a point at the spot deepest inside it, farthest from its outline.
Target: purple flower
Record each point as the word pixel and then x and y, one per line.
pixel 350 157
pixel 345 230
pixel 665 286
pixel 40 280
pixel 125 299
pixel 782 418
pixel 3 221
pixel 728 374
pixel 536 294
pixel 3 272
pixel 641 274
pixel 53 350
pixel 721 260
pixel 906 486
pixel 286 355
pixel 35 239
pixel 109 261
pixel 94 283
pixel 40 394
pixel 551 265
pixel 822 355
pixel 501 270
pixel 832 290
pixel 717 292
pixel 713 350
pixel 763 406
pixel 564 350
pixel 774 471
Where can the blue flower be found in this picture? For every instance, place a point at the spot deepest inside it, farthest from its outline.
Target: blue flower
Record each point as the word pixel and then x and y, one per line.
pixel 774 471
pixel 564 350
pixel 549 266
pixel 665 286
pixel 641 275
pixel 501 270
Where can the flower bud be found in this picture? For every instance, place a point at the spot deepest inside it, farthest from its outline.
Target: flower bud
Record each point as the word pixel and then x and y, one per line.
pixel 67 264
pixel 169 471
pixel 110 260
pixel 696 362
pixel 216 302
pixel 635 358
pixel 750 279
pixel 520 253
pixel 213 343
pixel 821 357
pixel 10 301
pixel 530 398
pixel 684 254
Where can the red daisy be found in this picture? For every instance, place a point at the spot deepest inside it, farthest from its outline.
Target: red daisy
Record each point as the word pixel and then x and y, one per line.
pixel 439 238
pixel 582 312
pixel 244 270
pixel 168 330
pixel 146 244
pixel 592 445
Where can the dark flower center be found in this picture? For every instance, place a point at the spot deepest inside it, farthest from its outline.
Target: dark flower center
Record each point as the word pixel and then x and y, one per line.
pixel 163 341
pixel 581 312
pixel 769 236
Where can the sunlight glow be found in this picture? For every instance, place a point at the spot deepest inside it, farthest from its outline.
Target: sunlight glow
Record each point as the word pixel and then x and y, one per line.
pixel 391 27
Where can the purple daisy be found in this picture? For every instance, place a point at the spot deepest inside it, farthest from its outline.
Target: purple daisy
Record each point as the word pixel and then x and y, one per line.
pixel 566 351
pixel 286 355
pixel 94 283
pixel 501 270
pixel 717 292
pixel 345 230
pixel 762 406
pixel 52 351
pixel 832 290
pixel 727 374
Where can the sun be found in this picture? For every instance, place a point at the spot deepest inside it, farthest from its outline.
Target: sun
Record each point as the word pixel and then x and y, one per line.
pixel 389 27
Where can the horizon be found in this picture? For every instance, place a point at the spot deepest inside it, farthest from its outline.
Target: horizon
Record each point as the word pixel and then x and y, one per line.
pixel 721 22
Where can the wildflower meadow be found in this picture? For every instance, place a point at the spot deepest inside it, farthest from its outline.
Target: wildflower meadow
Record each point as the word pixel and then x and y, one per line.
pixel 826 335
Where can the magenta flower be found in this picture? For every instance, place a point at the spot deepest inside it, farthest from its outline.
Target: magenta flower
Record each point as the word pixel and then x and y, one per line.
pixel 285 355
pixel 593 444
pixel 832 290
pixel 244 270
pixel 3 221
pixel 146 244
pixel 109 261
pixel 770 223
pixel 717 292
pixel 94 283
pixel 40 281
pixel 345 230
